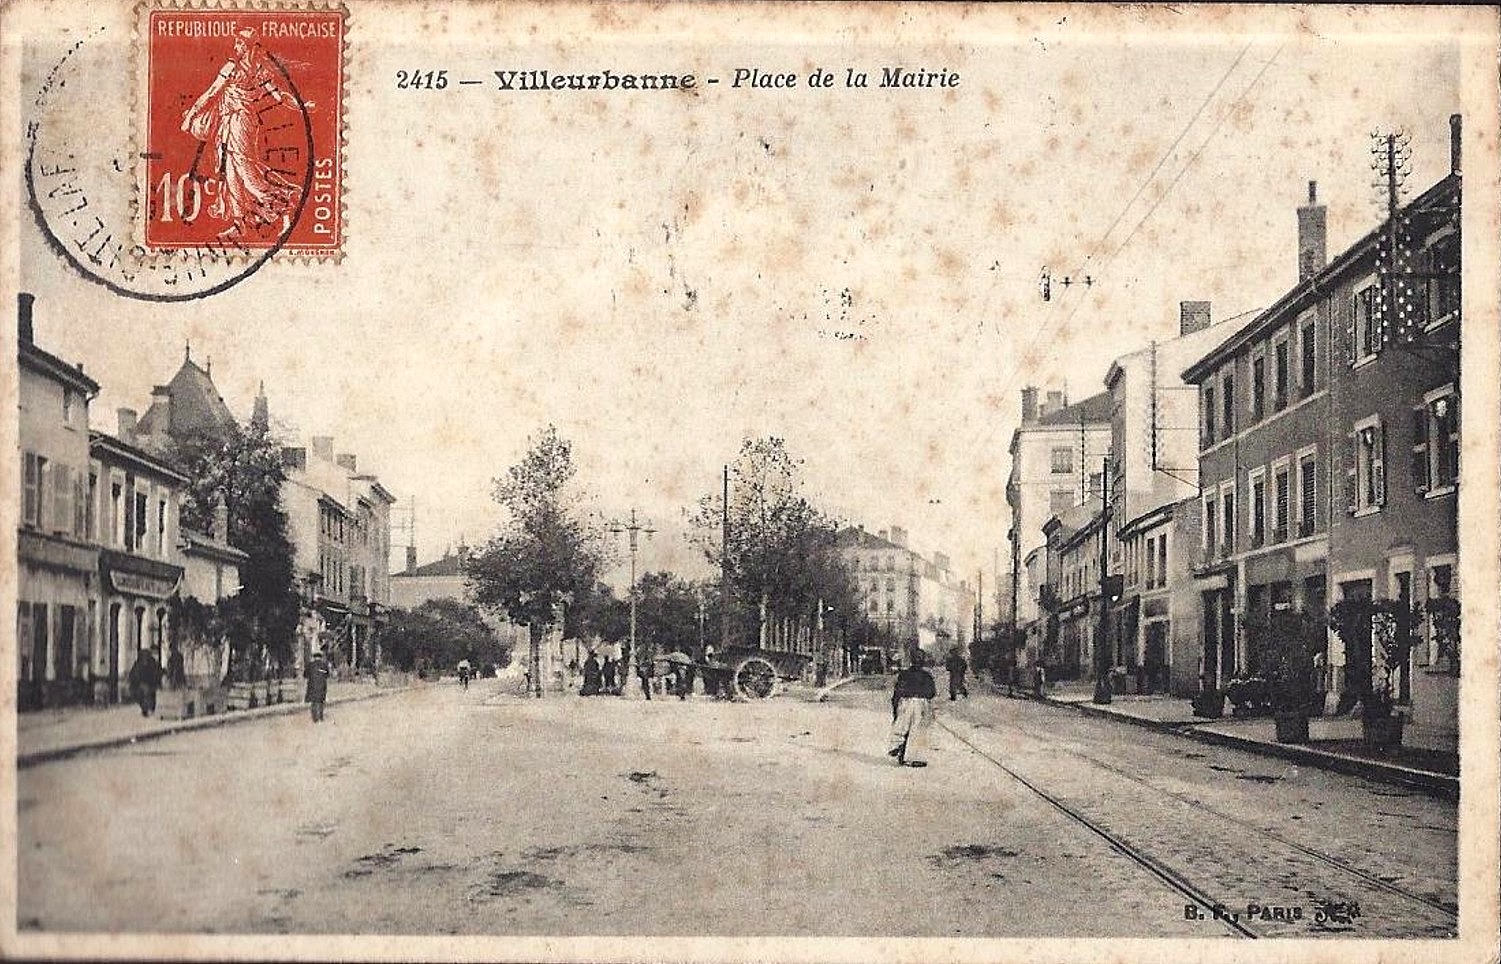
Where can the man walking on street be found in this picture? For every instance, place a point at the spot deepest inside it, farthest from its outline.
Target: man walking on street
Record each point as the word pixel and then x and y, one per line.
pixel 912 713
pixel 145 679
pixel 317 683
pixel 957 667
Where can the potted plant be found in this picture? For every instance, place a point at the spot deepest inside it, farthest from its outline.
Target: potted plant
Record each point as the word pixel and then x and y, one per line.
pixel 1291 638
pixel 1210 701
pixel 1390 624
pixel 1250 694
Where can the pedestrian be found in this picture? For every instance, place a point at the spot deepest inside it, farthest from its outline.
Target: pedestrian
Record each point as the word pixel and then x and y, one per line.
pixel 464 673
pixel 177 676
pixel 644 673
pixel 593 677
pixel 912 712
pixel 609 672
pixel 145 679
pixel 957 667
pixel 317 683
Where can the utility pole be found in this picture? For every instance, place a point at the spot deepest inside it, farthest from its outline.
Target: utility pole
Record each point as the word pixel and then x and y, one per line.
pixel 724 567
pixel 634 531
pixel 1101 653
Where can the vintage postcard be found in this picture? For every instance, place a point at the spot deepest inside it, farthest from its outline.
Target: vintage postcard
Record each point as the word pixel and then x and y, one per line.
pixel 749 482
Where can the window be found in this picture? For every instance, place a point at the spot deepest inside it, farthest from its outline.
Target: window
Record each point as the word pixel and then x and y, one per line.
pixel 1366 474
pixel 1307 345
pixel 1062 460
pixel 1209 415
pixel 1162 560
pixel 1307 492
pixel 1151 562
pixel 890 604
pixel 1280 373
pixel 1227 513
pixel 1435 442
pixel 161 529
pixel 91 508
pixel 1096 485
pixel 1060 500
pixel 142 522
pixel 62 505
pixel 891 585
pixel 1441 291
pixel 1256 514
pixel 1227 425
pixel 1211 526
pixel 1281 501
pixel 1258 387
pixel 31 476
pixel 1366 324
pixel 117 511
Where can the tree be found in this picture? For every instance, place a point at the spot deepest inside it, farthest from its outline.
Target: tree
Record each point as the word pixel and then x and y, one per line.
pixel 780 554
pixel 438 634
pixel 242 467
pixel 547 554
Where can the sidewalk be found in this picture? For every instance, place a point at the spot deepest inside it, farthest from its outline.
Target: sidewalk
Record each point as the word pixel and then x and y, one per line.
pixel 1334 742
pixel 55 734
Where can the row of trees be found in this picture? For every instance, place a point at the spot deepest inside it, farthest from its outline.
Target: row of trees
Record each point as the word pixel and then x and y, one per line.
pixel 782 573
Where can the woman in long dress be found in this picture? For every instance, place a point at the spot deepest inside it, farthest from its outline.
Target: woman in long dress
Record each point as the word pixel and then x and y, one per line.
pixel 226 117
pixel 912 713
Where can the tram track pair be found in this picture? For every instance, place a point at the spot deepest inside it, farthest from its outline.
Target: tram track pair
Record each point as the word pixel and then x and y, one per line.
pixel 1173 877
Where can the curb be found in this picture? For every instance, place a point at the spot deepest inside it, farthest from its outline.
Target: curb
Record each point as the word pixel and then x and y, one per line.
pixel 1435 784
pixel 229 718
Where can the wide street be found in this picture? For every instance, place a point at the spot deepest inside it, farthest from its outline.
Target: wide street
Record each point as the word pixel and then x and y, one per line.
pixel 443 811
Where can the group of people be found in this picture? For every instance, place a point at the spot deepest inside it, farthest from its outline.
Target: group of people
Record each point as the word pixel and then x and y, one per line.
pixel 601 677
pixel 146 677
pixel 608 676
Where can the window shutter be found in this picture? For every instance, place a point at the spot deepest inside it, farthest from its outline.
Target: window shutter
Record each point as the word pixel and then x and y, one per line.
pixel 1420 477
pixel 29 486
pixel 1352 492
pixel 1378 465
pixel 79 504
pixel 1352 351
pixel 44 495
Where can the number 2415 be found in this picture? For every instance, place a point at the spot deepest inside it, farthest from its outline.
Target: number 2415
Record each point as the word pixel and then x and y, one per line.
pixel 421 79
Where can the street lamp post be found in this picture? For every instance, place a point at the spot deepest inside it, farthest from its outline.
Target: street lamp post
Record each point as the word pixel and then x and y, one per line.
pixel 634 531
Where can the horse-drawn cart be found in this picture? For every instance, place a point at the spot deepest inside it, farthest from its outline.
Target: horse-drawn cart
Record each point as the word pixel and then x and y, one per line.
pixel 747 672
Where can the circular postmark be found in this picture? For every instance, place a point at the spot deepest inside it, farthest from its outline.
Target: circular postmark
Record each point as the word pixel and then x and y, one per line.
pixel 89 195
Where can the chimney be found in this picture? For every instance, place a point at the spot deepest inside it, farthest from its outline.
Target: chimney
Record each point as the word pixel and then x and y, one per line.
pixel 1029 404
pixel 1192 316
pixel 127 424
pixel 899 536
pixel 1312 235
pixel 882 533
pixel 323 447
pixel 1055 402
pixel 1454 142
pixel 346 461
pixel 24 301
pixel 221 520
pixel 411 559
pixel 294 458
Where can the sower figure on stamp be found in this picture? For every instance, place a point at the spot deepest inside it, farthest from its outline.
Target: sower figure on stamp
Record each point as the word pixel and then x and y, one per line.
pixel 912 712
pixel 317 683
pixel 227 118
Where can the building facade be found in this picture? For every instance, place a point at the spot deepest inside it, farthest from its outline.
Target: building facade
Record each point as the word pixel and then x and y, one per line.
pixel 57 591
pixel 919 601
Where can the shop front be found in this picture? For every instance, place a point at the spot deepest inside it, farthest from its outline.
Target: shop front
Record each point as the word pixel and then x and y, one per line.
pixel 136 613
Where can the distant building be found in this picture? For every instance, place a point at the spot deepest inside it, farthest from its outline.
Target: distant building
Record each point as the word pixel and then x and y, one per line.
pixel 921 602
pixel 1057 462
pixel 57 588
pixel 1070 596
pixel 443 578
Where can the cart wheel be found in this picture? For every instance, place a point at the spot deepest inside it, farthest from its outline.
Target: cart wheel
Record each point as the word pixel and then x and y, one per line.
pixel 755 678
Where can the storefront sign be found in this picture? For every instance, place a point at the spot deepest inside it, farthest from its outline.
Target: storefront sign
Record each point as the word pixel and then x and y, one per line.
pixel 139 585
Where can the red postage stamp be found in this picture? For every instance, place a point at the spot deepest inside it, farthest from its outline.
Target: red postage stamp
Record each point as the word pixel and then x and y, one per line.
pixel 243 129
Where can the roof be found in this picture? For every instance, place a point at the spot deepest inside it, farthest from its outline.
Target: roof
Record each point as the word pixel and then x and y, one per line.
pixel 100 443
pixel 1095 408
pixel 196 406
pixel 1305 291
pixel 50 365
pixel 851 537
pixel 207 545
pixel 451 564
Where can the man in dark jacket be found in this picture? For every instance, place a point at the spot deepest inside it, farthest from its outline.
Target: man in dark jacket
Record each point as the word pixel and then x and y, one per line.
pixel 957 667
pixel 593 677
pixel 145 679
pixel 317 683
pixel 912 712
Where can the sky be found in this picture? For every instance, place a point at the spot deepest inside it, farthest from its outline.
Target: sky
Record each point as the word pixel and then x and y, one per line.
pixel 855 271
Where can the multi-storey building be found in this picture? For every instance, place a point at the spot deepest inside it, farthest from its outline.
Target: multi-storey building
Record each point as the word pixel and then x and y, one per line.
pixel 1161 612
pixel 57 588
pixel 1154 465
pixel 1329 454
pixel 1057 461
pixel 1071 596
pixel 919 601
pixel 1264 455
pixel 140 560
